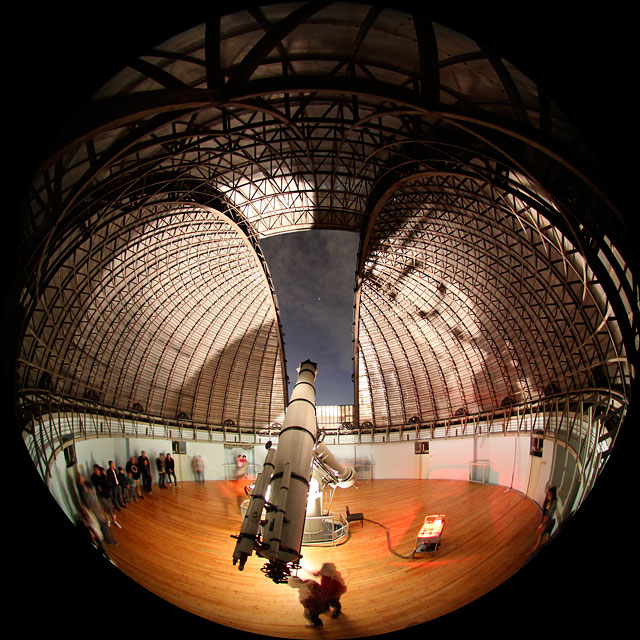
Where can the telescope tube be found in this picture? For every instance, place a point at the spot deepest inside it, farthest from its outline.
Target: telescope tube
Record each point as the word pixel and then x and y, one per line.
pixel 284 525
pixel 248 537
pixel 344 476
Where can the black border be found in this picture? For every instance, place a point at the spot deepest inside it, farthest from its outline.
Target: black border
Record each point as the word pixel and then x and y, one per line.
pixel 55 58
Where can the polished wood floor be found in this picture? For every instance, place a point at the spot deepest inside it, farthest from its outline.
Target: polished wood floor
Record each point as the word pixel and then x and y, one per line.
pixel 177 544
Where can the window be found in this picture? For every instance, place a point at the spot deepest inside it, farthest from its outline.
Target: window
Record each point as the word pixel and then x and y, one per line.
pixel 70 455
pixel 178 446
pixel 421 447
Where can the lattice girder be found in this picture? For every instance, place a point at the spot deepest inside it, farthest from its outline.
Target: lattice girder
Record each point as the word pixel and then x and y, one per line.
pixel 462 270
pixel 174 319
pixel 455 168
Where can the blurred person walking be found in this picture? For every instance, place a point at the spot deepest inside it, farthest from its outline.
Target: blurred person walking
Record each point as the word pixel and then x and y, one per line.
pixel 312 599
pixel 99 481
pixel 90 500
pixel 333 586
pixel 198 469
pixel 161 471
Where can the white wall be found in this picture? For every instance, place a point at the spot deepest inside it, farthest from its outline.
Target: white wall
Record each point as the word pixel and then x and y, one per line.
pixel 508 458
pixel 100 451
pixel 539 474
pixel 213 456
pixel 61 485
pixel 449 459
pixel 510 464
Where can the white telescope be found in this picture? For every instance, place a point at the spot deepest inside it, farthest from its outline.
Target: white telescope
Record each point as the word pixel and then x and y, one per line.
pixel 335 473
pixel 287 472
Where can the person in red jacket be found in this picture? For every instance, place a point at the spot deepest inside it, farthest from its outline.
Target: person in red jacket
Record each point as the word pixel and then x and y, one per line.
pixel 311 598
pixel 332 585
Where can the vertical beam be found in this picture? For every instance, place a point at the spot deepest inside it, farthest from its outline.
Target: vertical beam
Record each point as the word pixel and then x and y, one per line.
pixel 428 56
pixel 213 63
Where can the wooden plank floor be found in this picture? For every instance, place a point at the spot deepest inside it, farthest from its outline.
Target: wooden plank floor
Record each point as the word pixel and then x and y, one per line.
pixel 176 543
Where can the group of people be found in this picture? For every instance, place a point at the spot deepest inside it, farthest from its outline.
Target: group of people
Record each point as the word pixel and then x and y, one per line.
pixel 112 489
pixel 97 510
pixel 166 467
pixel 127 485
pixel 317 599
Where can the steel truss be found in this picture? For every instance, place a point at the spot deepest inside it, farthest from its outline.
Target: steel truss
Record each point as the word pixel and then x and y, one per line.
pixel 491 268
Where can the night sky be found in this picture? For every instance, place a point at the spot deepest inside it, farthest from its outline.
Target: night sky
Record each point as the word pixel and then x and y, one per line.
pixel 314 276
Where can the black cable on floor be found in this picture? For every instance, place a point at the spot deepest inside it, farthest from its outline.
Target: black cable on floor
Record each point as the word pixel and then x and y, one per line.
pixel 389 540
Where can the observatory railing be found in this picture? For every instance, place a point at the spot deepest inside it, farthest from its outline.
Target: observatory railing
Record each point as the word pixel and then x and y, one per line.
pixel 587 421
pixel 327 529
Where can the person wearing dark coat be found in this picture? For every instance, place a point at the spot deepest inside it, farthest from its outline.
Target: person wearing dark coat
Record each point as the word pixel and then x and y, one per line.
pixel 170 467
pixel 124 485
pixel 99 481
pixel 114 486
pixel 161 471
pixel 547 522
pixel 145 471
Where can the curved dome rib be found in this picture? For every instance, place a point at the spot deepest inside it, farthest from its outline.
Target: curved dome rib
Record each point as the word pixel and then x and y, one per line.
pixel 171 309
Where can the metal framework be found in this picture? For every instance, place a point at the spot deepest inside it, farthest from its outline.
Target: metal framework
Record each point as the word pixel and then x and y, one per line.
pixel 491 268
